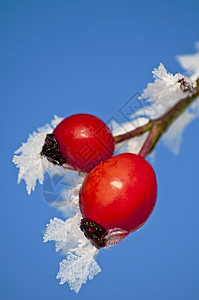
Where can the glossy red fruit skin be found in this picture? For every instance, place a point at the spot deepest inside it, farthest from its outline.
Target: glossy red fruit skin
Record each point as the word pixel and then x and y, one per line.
pixel 84 140
pixel 121 192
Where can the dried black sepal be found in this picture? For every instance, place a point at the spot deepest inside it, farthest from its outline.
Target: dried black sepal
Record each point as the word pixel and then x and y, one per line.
pixel 94 232
pixel 185 85
pixel 51 150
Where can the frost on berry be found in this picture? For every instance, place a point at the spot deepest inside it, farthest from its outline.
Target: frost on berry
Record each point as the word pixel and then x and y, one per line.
pixel 28 159
pixel 79 264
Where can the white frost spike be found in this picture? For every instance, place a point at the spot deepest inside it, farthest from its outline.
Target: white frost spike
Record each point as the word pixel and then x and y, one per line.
pixel 165 91
pixel 80 264
pixel 190 63
pixel 31 165
pixel 78 267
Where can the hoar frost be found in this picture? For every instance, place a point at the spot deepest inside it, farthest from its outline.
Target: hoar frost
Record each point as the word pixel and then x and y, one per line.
pixel 166 90
pixel 162 94
pixel 28 159
pixel 79 264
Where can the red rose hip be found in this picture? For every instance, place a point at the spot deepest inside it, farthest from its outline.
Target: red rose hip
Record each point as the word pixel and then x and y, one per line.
pixel 82 141
pixel 120 193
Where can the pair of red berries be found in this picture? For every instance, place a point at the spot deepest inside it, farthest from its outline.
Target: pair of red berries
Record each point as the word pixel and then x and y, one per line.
pixel 119 193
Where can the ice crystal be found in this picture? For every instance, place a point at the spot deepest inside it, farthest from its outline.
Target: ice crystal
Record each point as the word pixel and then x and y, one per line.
pixel 79 264
pixel 166 90
pixel 28 159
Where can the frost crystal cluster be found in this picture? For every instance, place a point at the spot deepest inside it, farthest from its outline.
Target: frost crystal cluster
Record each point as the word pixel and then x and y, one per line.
pixel 79 264
pixel 162 94
pixel 28 159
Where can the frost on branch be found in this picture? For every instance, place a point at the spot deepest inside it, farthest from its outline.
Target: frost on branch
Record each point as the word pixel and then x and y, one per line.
pixel 164 93
pixel 166 90
pixel 79 264
pixel 28 159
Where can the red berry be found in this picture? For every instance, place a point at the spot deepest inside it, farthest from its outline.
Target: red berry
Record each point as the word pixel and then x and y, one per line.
pixel 84 140
pixel 121 193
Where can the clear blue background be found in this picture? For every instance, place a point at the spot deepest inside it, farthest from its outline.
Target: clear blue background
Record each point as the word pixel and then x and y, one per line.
pixel 64 57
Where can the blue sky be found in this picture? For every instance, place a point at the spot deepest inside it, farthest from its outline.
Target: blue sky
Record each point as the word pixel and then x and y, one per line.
pixel 66 57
